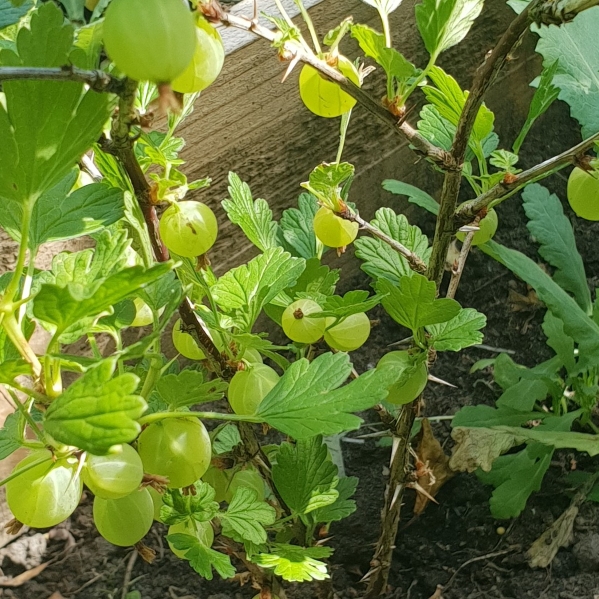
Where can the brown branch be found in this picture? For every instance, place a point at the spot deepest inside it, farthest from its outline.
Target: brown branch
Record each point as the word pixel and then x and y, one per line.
pixel 456 273
pixel 298 53
pixel 413 259
pixel 470 209
pixel 485 76
pixel 394 491
pixel 556 12
pixel 99 81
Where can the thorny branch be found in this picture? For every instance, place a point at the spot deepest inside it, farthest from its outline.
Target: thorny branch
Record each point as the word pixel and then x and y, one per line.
pixel 413 259
pixel 300 54
pixel 457 271
pixel 499 191
pixel 485 76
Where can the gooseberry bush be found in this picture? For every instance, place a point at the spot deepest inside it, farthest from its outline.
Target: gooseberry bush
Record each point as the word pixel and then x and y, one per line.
pixel 92 98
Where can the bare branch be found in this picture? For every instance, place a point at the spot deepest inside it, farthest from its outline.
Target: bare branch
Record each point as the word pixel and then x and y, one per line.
pixel 97 80
pixel 421 145
pixel 413 259
pixel 556 12
pixel 470 209
pixel 456 273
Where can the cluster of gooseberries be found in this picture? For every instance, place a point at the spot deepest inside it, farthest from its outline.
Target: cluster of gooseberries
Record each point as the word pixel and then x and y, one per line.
pixel 346 335
pixel 161 41
pixel 583 193
pixel 325 98
pixel 407 388
pixel 46 488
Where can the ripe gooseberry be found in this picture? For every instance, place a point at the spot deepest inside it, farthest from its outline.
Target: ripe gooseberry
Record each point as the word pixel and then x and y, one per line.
pixel 202 531
pixel 124 521
pixel 188 228
pixel 149 40
pixel 249 387
pixel 207 61
pixel 252 356
pixel 583 193
pixel 487 228
pixel 404 390
pixel 298 326
pixel 178 448
pixel 332 230
pixel 249 479
pixel 46 494
pixel 114 475
pixel 349 334
pixel 325 98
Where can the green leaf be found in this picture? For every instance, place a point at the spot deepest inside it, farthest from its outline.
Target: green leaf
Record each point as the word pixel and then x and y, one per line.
pixel 577 324
pixel 201 558
pixel 516 477
pixel 373 45
pixel 245 290
pixel 353 302
pixel 226 439
pixel 415 194
pixel 559 342
pixel 461 331
pixel 12 12
pixel 161 292
pixel 296 227
pixel 435 128
pixel 188 388
pixel 342 507
pixel 47 125
pixel 386 6
pixel 413 303
pixel 523 395
pixel 200 505
pixel 445 23
pixel 504 160
pixel 552 229
pixel 557 439
pixel 573 47
pixel 65 306
pixel 486 417
pixel 10 435
pixel 305 476
pixel 254 217
pixel 380 260
pixel 11 369
pixel 97 411
pixel 545 94
pixel 449 99
pixel 308 399
pixel 74 9
pixel 246 517
pixel 317 279
pixel 327 180
pixel 295 564
pixel 88 44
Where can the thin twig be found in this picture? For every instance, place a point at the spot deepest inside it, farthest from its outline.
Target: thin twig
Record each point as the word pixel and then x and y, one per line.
pixel 99 81
pixel 556 12
pixel 295 51
pixel 456 273
pixel 128 572
pixel 469 209
pixel 499 350
pixel 413 259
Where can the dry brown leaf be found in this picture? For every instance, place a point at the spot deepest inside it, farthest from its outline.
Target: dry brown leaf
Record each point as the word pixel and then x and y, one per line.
pixel 433 461
pixel 21 579
pixel 524 303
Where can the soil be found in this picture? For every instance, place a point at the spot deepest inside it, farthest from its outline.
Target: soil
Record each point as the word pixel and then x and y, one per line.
pixel 454 544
